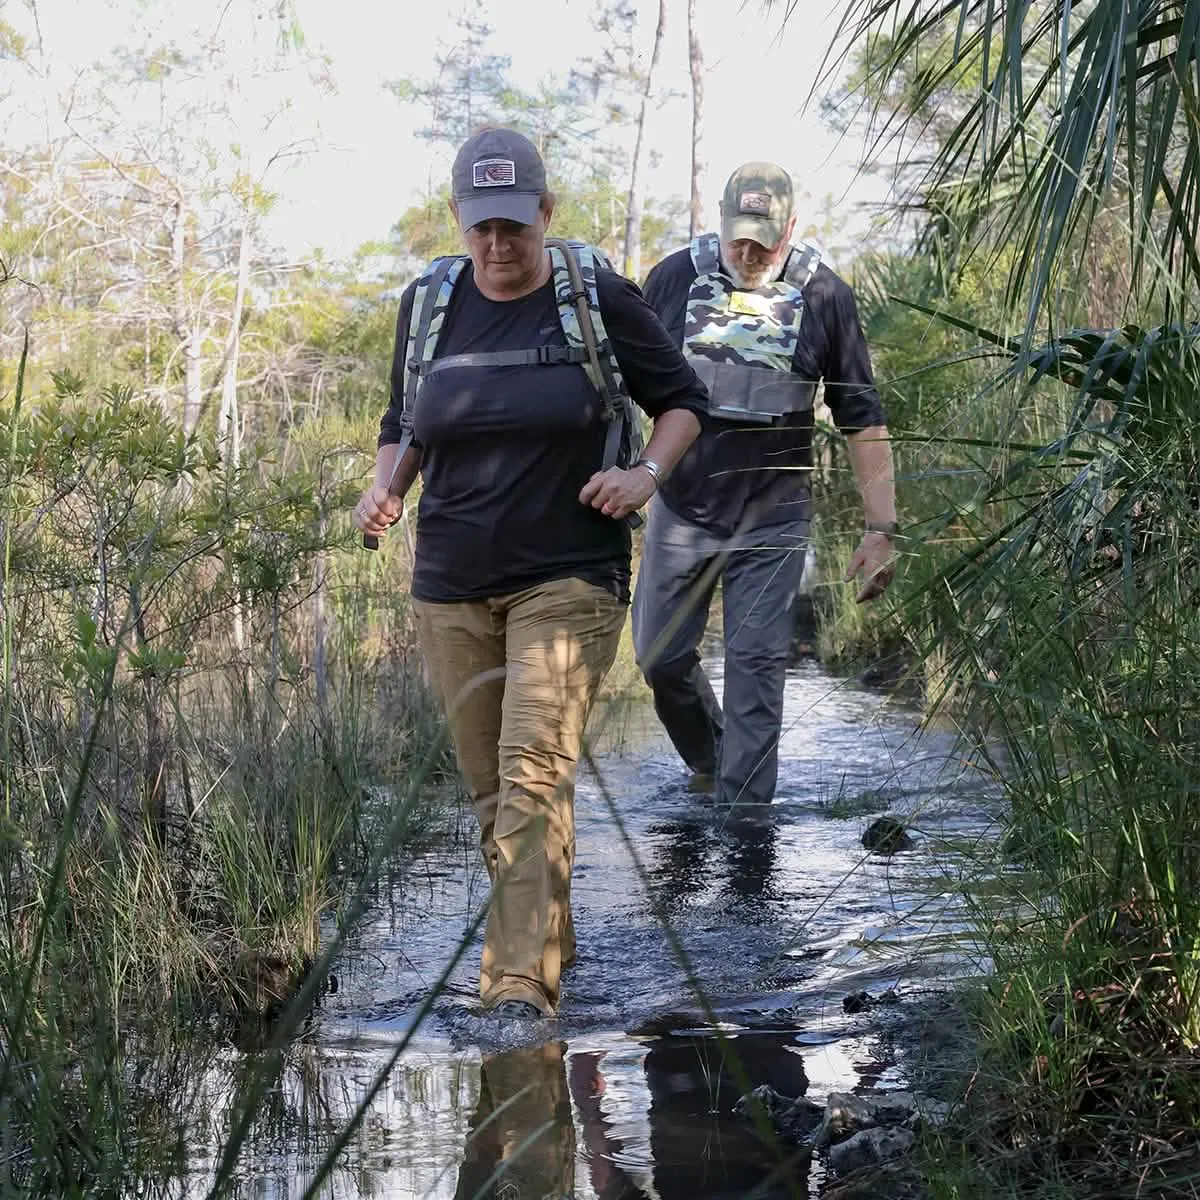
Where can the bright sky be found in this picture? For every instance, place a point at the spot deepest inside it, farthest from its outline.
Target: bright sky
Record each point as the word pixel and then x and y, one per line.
pixel 370 167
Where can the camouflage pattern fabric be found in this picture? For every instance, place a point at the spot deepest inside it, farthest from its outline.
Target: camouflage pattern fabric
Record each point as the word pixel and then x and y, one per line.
pixel 609 375
pixel 427 318
pixel 757 328
pixel 607 379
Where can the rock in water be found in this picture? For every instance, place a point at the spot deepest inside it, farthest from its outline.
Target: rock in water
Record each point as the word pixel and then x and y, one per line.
pixel 774 1104
pixel 800 1121
pixel 845 1115
pixel 869 1148
pixel 886 836
pixel 792 1119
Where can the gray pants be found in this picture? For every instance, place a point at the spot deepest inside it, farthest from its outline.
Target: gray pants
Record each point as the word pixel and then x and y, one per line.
pixel 759 571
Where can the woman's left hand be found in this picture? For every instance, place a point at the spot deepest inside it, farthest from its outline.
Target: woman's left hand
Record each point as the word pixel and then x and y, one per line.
pixel 617 493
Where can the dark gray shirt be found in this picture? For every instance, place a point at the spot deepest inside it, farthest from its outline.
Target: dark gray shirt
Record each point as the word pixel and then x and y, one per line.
pixel 506 450
pixel 741 476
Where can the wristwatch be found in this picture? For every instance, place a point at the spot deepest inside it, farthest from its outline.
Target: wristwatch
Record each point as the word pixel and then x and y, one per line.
pixel 889 529
pixel 651 466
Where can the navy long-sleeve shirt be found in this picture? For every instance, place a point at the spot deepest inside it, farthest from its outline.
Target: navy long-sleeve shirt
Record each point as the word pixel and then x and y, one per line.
pixel 734 476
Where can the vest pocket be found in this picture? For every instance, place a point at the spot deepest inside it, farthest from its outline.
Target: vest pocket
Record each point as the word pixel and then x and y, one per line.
pixel 753 394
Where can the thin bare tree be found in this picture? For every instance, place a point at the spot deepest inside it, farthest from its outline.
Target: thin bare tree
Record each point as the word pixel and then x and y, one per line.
pixel 696 61
pixel 633 206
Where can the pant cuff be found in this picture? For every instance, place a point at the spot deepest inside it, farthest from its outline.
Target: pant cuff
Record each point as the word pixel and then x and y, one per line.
pixel 516 987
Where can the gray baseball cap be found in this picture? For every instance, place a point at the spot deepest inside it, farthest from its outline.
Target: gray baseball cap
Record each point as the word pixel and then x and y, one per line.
pixel 757 204
pixel 497 174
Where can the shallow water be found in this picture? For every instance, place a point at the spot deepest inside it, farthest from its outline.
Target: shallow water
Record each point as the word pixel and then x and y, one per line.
pixel 688 917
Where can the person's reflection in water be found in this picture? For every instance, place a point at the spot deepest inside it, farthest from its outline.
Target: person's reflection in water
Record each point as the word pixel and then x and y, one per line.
pixel 680 868
pixel 521 1145
pixel 692 853
pixel 701 1148
pixel 609 1181
pixel 751 858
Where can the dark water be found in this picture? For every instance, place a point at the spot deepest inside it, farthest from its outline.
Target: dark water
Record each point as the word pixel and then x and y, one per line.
pixel 630 1092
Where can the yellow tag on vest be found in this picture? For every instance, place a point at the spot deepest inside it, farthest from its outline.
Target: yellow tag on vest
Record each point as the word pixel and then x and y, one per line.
pixel 750 304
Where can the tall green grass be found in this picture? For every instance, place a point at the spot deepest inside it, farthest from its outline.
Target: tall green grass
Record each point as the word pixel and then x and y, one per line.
pixel 1051 605
pixel 1047 603
pixel 193 816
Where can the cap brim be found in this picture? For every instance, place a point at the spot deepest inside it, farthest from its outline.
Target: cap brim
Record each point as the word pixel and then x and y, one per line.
pixel 762 230
pixel 499 206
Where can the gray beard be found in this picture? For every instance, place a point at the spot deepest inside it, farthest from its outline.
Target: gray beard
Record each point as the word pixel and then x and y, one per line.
pixel 769 276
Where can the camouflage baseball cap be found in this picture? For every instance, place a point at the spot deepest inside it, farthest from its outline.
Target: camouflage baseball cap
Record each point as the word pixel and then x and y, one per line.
pixel 497 174
pixel 757 204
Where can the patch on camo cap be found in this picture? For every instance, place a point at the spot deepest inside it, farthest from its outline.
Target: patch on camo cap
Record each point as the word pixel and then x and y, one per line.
pixel 755 203
pixel 494 172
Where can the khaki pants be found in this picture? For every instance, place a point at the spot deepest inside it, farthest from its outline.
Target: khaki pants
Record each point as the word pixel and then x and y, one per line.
pixel 517 675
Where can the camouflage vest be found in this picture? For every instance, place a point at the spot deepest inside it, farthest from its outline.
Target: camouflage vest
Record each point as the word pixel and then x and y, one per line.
pixel 574 275
pixel 741 343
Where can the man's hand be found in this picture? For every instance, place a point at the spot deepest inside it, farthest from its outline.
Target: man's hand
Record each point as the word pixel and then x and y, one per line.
pixel 875 561
pixel 617 493
pixel 377 510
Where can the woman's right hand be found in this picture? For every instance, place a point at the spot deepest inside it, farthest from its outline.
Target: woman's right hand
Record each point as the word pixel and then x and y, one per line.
pixel 377 510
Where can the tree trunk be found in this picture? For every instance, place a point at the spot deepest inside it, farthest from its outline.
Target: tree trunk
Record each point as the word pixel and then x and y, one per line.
pixel 187 329
pixel 321 631
pixel 154 773
pixel 696 60
pixel 633 207
pixel 229 440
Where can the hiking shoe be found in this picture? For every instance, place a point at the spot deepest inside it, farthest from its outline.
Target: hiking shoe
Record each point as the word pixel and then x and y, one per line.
pixel 517 1010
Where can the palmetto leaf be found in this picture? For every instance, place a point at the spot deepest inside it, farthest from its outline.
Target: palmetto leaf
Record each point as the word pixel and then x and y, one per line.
pixel 1069 96
pixel 1136 402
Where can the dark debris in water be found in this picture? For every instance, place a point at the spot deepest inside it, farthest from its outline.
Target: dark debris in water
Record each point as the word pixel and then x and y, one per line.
pixel 886 836
pixel 858 1002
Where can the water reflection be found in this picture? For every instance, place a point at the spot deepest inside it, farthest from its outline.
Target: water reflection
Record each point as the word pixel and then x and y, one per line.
pixel 522 1139
pixel 715 855
pixel 523 1142
pixel 699 1147
pixel 604 1149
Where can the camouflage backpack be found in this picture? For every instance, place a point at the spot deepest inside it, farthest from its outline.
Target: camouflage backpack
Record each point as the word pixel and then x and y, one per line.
pixel 731 334
pixel 574 274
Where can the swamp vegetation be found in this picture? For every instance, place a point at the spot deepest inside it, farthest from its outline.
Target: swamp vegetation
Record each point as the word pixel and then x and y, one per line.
pixel 217 742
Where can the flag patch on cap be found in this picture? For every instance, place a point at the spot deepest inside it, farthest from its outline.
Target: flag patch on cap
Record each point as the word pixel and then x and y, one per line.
pixel 494 172
pixel 755 203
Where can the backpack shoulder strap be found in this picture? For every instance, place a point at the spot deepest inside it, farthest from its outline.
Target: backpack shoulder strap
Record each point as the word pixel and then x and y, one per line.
pixel 801 265
pixel 574 265
pixel 605 373
pixel 430 302
pixel 706 254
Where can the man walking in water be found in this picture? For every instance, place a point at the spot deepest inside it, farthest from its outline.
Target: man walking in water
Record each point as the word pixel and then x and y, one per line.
pixel 762 322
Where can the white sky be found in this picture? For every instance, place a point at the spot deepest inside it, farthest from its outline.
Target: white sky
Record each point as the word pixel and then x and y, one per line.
pixel 370 167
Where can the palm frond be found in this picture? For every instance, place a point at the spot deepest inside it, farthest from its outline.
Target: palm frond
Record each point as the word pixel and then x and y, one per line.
pixel 1068 104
